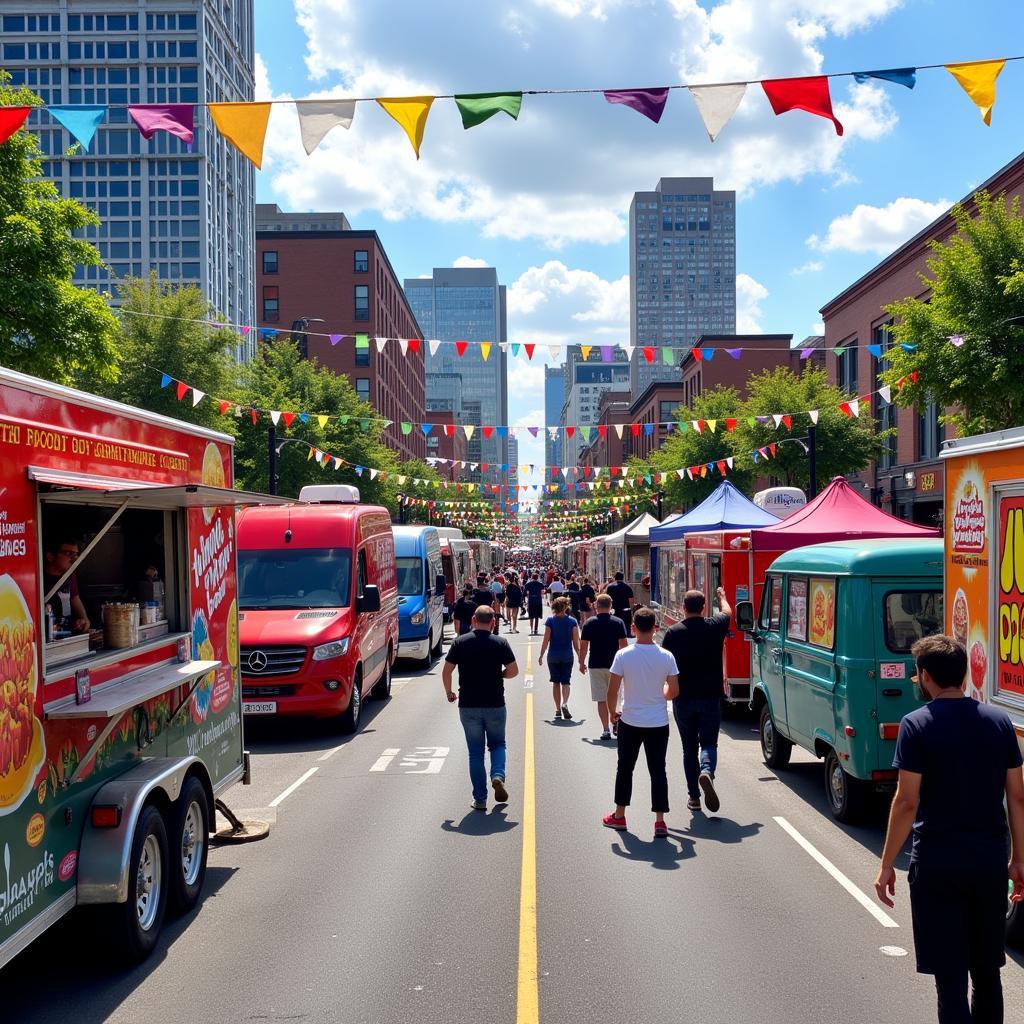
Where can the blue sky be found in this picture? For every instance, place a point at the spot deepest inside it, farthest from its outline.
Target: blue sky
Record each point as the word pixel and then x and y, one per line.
pixel 546 199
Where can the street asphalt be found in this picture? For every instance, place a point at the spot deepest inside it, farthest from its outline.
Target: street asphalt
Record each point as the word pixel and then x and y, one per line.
pixel 380 897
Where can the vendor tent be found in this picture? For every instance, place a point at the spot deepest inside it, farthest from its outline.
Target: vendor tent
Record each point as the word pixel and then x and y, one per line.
pixel 726 508
pixel 838 513
pixel 637 531
pixel 628 550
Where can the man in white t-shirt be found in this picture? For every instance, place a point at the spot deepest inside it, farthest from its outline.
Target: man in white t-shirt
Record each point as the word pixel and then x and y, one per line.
pixel 556 588
pixel 649 678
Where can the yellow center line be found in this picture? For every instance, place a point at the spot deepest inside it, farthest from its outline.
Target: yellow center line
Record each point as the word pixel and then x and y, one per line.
pixel 528 1003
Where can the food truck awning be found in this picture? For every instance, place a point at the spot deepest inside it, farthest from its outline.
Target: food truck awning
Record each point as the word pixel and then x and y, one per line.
pixel 142 496
pixel 725 508
pixel 633 533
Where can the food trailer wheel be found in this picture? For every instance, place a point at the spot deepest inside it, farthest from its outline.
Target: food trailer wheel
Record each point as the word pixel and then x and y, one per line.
pixel 135 924
pixel 847 796
pixel 350 717
pixel 775 749
pixel 382 688
pixel 190 830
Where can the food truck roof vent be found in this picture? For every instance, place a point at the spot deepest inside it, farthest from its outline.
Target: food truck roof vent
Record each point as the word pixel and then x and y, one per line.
pixel 330 494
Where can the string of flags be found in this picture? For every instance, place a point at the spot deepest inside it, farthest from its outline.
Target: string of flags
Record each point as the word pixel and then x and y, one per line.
pixel 244 125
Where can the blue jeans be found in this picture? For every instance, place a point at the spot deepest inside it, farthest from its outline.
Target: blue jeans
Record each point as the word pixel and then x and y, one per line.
pixel 480 725
pixel 699 719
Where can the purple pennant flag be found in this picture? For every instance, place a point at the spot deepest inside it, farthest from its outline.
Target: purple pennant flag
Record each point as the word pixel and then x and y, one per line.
pixel 245 331
pixel 806 353
pixel 763 419
pixel 533 430
pixel 734 352
pixel 606 353
pixel 176 118
pixel 335 338
pixel 649 102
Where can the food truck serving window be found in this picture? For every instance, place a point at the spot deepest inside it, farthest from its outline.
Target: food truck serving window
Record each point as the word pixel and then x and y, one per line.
pixel 910 615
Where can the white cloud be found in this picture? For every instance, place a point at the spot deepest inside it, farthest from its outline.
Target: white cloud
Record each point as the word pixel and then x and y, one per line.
pixel 818 327
pixel 749 296
pixel 562 297
pixel 525 379
pixel 470 261
pixel 879 229
pixel 574 8
pixel 810 267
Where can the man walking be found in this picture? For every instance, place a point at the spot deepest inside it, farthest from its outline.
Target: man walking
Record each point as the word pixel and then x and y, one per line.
pixel 462 613
pixel 697 644
pixel 485 661
pixel 647 674
pixel 483 595
pixel 602 637
pixel 621 594
pixel 534 601
pixel 957 760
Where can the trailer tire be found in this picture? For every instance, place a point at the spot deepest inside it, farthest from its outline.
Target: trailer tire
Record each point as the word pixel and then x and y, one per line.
pixel 349 721
pixel 847 797
pixel 775 749
pixel 135 924
pixel 189 845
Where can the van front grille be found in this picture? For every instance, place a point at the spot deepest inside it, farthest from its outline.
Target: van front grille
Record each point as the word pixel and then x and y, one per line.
pixel 260 662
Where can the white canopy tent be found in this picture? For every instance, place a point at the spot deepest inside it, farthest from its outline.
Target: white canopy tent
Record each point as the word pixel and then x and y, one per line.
pixel 629 550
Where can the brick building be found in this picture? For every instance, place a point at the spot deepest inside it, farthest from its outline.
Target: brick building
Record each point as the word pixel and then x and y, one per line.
pixel 444 445
pixel 311 269
pixel 612 449
pixel 657 406
pixel 907 481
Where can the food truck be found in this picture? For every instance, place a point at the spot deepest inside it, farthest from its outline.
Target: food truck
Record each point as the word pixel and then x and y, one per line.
pixel 984 575
pixel 120 720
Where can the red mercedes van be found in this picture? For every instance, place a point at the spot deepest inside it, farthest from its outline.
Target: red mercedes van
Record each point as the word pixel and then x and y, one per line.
pixel 318 605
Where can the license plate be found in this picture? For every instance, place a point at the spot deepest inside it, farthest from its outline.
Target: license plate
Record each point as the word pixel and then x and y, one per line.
pixel 259 707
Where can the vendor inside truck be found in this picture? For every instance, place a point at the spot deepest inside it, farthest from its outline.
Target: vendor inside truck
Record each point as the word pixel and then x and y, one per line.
pixel 66 605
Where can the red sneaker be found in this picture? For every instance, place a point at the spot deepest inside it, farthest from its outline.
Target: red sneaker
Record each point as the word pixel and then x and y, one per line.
pixel 660 830
pixel 610 821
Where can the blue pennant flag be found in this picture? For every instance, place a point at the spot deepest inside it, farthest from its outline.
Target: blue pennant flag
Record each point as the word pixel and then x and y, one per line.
pixel 504 467
pixel 907 348
pixel 165 379
pixel 304 417
pixel 502 431
pixel 81 122
pixel 648 429
pixel 268 332
pixel 899 76
pixel 708 354
pixel 426 428
pixel 875 350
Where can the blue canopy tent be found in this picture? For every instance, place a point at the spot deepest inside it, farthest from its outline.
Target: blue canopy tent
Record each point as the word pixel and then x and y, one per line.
pixel 725 508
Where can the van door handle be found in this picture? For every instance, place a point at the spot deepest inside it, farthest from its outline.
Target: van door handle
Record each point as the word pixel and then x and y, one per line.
pixel 776 656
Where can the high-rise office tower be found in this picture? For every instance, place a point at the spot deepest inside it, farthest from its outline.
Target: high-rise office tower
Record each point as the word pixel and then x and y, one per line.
pixel 468 304
pixel 682 272
pixel 554 399
pixel 187 216
pixel 586 380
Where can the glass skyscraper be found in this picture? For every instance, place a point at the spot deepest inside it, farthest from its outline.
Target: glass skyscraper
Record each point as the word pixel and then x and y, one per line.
pixel 554 399
pixel 187 216
pixel 682 272
pixel 468 304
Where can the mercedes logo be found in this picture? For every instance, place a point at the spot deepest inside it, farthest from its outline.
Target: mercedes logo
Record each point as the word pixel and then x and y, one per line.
pixel 257 661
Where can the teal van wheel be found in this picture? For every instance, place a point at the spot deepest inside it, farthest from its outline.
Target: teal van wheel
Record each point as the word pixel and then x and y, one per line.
pixel 847 796
pixel 775 749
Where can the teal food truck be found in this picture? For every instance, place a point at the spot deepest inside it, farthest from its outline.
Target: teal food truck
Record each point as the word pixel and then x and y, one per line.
pixel 831 658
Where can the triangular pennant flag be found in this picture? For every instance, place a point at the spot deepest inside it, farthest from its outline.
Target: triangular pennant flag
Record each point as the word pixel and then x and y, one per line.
pixel 11 119
pixel 806 353
pixel 410 113
pixel 460 348
pixel 414 345
pixel 364 425
pixel 244 125
pixel 734 352
pixel 403 345
pixel 569 431
pixel 362 341
pixel 667 356
pixel 253 414
pixel 788 420
pixel 711 425
pixel 81 122
pixel 182 390
pixel 810 94
pixel 477 107
pixel 634 429
pixel 649 353
pixel 555 350
pixel 380 343
pixel 585 351
pixel 716 104
pixel 606 353
pixel 335 338
pixel 602 430
pixel 533 430
pixel 649 102
pixel 529 350
pixel 697 354
pixel 373 474
pixel 197 396
pixel 777 417
pixel 899 76
pixel 468 431
pixel 515 349
pixel 886 393
pixel 730 425
pixel 875 350
pixel 909 348
pixel 223 406
pixel 426 428
pixel 485 350
pixel 709 354
pixel 488 431
pixel 979 82
pixel 434 344
pixel 698 425
pixel 176 119
pixel 275 417
pixel 318 117
pixel 851 408
pixel 406 428
pixel 165 379
pixel 628 349
pixel 772 448
pixel 617 427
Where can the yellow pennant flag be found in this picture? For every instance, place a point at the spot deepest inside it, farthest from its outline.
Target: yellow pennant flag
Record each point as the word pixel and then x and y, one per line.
pixel 979 82
pixel 244 125
pixel 322 420
pixel 411 113
pixel 585 350
pixel 485 349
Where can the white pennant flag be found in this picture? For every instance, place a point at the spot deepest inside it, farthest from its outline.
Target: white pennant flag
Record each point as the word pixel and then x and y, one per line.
pixel 468 430
pixel 814 416
pixel 553 433
pixel 628 349
pixel 434 344
pixel 402 479
pixel 617 427
pixel 565 470
pixel 373 474
pixel 729 461
pixel 381 342
pixel 855 406
pixel 886 394
pixel 597 472
pixel 274 417
pixel 777 416
pixel 716 104
pixel 197 396
pixel 680 472
pixel 318 117
pixel 555 350
pixel 503 345
pixel 403 344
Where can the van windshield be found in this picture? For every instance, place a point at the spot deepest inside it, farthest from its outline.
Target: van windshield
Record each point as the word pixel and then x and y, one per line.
pixel 296 578
pixel 410 576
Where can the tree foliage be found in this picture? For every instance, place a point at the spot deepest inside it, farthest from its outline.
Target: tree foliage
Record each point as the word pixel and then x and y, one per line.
pixel 48 327
pixel 976 281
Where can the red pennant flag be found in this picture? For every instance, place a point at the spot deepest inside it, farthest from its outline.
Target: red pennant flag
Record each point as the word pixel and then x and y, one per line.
pixel 288 418
pixel 253 414
pixel 449 430
pixel 602 430
pixel 484 466
pixel 529 350
pixel 224 406
pixel 488 431
pixel 182 390
pixel 569 431
pixel 721 466
pixel 649 353
pixel 414 344
pixel 700 426
pixel 772 448
pixel 554 471
pixel 810 94
pixel 11 119
pixel 461 346
pixel 634 429
pixel 587 470
pixel 697 354
pixel 845 408
pixel 913 376
pixel 730 425
pixel 788 420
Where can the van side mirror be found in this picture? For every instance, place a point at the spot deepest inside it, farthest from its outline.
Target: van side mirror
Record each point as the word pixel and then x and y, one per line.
pixel 370 599
pixel 745 616
pixel 439 585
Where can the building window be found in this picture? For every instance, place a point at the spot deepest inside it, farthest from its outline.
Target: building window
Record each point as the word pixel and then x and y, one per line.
pixel 270 304
pixel 930 432
pixel 847 371
pixel 887 421
pixel 363 388
pixel 269 261
pixel 362 261
pixel 362 302
pixel 363 356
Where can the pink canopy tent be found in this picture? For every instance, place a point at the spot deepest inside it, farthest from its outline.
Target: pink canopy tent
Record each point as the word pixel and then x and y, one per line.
pixel 838 513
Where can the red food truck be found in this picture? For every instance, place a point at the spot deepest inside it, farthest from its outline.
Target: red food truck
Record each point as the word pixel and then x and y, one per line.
pixel 120 694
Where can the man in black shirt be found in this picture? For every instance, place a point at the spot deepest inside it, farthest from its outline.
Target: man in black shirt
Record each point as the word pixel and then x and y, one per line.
pixel 587 595
pixel 573 592
pixel 697 643
pixel 462 613
pixel 484 595
pixel 957 759
pixel 534 601
pixel 603 635
pixel 621 594
pixel 485 661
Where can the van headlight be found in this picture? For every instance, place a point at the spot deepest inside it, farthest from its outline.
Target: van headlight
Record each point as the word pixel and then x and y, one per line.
pixel 418 618
pixel 334 649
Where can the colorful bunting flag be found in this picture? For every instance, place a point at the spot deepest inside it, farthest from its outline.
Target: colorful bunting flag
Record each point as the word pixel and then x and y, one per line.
pixel 529 350
pixel 810 94
pixel 649 102
pixel 899 76
pixel 978 80
pixel 244 125
pixel 460 348
pixel 734 352
pixel 485 350
pixel 667 357
pixel 649 353
pixel 477 107
pixel 716 104
pixel 318 117
pixel 80 121
pixel 11 119
pixel 410 113
pixel 165 379
pixel 585 351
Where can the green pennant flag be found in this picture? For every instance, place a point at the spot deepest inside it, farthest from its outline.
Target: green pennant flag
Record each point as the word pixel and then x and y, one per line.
pixel 838 351
pixel 364 425
pixel 751 421
pixel 362 341
pixel 666 356
pixel 477 107
pixel 343 419
pixel 406 428
pixel 682 426
pixel 585 431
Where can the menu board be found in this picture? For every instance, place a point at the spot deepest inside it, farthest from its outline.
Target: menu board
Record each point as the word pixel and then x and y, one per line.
pixel 822 629
pixel 796 618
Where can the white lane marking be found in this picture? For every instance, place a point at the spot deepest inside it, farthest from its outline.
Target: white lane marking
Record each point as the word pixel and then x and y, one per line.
pixel 330 753
pixel 294 786
pixel 431 758
pixel 382 762
pixel 892 951
pixel 876 912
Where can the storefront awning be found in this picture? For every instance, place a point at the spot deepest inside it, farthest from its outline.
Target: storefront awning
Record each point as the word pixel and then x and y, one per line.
pixel 161 497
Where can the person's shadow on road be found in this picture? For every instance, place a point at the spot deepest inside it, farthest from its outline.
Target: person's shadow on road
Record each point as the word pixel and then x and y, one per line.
pixel 571 723
pixel 663 854
pixel 478 823
pixel 719 830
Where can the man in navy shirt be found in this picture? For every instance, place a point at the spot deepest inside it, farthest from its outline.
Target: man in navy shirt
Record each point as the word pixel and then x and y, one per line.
pixel 957 760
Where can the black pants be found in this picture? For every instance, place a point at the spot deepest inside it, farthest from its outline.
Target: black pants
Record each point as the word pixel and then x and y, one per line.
pixel 655 744
pixel 986 997
pixel 627 617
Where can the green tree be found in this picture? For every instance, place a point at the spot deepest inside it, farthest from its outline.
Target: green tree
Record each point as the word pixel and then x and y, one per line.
pixel 977 285
pixel 158 336
pixel 48 327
